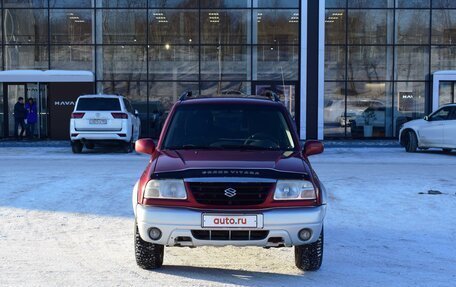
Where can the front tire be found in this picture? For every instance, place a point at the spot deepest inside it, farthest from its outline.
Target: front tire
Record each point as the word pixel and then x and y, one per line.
pixel 76 147
pixel 411 144
pixel 308 257
pixel 148 255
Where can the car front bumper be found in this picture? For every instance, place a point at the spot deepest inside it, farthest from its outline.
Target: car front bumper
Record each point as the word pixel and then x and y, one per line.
pixel 177 224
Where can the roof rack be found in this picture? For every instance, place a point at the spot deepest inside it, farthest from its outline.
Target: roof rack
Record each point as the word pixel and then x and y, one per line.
pixel 186 95
pixel 233 92
pixel 271 95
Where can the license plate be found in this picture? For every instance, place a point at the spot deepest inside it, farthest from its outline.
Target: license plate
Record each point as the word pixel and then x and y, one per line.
pixel 98 121
pixel 232 221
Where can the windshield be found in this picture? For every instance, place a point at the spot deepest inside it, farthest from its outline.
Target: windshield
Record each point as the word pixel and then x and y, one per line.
pixel 228 126
pixel 98 104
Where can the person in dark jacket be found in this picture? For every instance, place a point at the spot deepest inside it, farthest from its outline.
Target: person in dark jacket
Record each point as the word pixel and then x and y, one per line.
pixel 32 117
pixel 20 113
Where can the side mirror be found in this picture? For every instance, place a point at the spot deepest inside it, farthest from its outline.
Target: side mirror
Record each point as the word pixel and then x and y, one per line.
pixel 146 146
pixel 426 118
pixel 313 147
pixel 136 113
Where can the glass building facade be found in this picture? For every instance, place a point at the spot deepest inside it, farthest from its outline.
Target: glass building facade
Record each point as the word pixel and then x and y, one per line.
pixel 379 59
pixel 153 50
pixel 344 68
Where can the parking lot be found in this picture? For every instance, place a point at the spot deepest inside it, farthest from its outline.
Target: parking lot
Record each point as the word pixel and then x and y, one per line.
pixel 67 220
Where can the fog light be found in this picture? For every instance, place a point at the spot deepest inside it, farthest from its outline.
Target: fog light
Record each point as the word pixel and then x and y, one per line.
pixel 155 233
pixel 305 234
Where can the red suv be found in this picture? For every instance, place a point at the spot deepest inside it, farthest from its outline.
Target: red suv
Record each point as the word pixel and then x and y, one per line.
pixel 229 171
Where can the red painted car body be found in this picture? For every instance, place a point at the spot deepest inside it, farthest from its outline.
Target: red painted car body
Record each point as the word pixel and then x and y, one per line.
pixel 168 162
pixel 237 175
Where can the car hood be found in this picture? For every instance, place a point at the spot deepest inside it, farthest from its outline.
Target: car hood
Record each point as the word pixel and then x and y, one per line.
pixel 230 163
pixel 419 122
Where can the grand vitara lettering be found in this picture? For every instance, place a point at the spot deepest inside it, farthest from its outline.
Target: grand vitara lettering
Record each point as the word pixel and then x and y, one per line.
pixel 230 172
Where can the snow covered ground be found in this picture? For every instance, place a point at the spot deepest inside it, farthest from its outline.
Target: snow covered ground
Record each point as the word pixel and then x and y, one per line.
pixel 66 220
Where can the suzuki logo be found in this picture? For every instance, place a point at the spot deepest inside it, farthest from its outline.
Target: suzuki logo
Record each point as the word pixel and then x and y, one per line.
pixel 230 192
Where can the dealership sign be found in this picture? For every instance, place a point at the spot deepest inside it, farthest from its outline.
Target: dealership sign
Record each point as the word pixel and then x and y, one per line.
pixel 63 103
pixel 407 101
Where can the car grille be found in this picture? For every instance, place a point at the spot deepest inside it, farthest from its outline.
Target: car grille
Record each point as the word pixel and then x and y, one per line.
pixel 211 193
pixel 228 235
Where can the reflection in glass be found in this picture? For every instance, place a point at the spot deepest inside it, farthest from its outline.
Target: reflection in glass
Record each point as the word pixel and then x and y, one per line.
pixel 136 92
pixel 412 26
pixel 123 3
pixel 278 3
pixel 162 96
pixel 124 26
pixel 446 93
pixel 71 26
pixel 334 63
pixel 169 92
pixel 71 3
pixel 224 26
pixel 225 3
pixel 213 89
pixel 224 63
pixel 72 57
pixel 443 27
pixel 170 62
pixel 334 109
pixel 335 3
pixel 373 63
pixel 277 26
pixel 25 3
pixel 26 26
pixel 335 26
pixel 173 27
pixel 443 4
pixel 443 58
pixel 412 63
pixel 413 3
pixel 368 26
pixel 275 62
pixel 409 101
pixel 369 109
pixel 286 92
pixel 173 4
pixel 370 3
pixel 26 57
pixel 123 63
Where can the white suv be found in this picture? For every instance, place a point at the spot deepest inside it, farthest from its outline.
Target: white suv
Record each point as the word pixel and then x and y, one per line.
pixel 103 119
pixel 437 130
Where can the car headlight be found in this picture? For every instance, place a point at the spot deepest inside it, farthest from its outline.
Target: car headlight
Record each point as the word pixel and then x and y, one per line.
pixel 165 189
pixel 294 190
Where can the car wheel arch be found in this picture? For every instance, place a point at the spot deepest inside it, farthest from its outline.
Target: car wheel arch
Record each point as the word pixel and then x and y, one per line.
pixel 404 135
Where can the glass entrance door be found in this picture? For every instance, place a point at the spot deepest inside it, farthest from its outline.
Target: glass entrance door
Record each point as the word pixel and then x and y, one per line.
pixel 13 93
pixel 36 91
